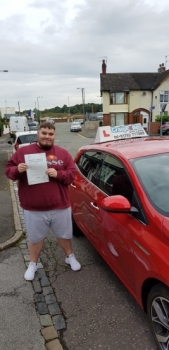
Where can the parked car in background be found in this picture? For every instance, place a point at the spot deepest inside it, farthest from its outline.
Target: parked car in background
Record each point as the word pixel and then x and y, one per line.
pixel 75 126
pixel 81 121
pixel 21 139
pixel 33 126
pixel 50 121
pixel 120 202
pixel 165 128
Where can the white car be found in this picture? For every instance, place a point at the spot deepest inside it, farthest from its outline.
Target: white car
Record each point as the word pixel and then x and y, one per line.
pixel 75 126
pixel 24 138
pixel 51 121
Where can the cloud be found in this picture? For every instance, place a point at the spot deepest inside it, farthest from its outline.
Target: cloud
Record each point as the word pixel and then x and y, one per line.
pixel 52 47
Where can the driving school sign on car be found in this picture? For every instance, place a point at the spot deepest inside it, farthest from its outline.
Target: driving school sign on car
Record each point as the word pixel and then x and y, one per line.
pixel 108 133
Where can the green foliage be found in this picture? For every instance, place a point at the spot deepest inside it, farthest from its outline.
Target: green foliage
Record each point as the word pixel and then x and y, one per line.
pixel 77 109
pixel 1 128
pixel 62 112
pixel 165 118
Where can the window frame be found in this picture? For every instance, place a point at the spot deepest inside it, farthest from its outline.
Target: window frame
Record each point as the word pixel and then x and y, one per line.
pixel 140 215
pixel 164 96
pixel 113 95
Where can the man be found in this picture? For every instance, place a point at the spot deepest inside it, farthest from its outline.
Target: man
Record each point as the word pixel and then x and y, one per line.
pixel 45 205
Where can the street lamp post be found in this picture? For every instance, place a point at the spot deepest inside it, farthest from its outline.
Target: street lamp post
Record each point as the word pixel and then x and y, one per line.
pixel 101 103
pixel 38 107
pixel 6 108
pixel 83 100
pixel 69 108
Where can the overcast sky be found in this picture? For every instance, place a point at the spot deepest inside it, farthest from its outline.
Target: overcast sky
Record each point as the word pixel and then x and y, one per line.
pixel 52 47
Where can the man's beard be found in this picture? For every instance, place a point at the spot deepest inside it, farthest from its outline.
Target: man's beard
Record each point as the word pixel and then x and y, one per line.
pixel 45 147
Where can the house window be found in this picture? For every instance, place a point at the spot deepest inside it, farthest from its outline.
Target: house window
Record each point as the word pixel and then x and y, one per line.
pixel 119 119
pixel 118 98
pixel 164 96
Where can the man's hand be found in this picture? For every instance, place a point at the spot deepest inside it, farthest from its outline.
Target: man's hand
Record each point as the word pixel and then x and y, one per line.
pixel 51 172
pixel 22 167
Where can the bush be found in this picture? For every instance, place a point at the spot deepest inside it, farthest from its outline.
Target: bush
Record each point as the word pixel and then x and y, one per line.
pixel 165 118
pixel 1 128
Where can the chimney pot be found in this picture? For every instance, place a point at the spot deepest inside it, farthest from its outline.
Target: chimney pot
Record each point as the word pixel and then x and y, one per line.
pixel 103 67
pixel 161 68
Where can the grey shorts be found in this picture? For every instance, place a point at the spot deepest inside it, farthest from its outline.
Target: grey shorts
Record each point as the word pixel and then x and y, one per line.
pixel 38 224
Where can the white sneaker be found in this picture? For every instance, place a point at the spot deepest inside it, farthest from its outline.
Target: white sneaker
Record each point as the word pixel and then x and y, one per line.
pixel 74 264
pixel 30 272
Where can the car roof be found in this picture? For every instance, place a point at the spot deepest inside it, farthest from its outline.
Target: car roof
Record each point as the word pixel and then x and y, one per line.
pixel 21 133
pixel 132 148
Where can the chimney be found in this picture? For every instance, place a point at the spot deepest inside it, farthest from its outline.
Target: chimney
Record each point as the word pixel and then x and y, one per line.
pixel 161 68
pixel 104 68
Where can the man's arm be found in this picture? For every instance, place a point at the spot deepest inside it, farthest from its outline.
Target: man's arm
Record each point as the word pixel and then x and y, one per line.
pixel 14 169
pixel 67 175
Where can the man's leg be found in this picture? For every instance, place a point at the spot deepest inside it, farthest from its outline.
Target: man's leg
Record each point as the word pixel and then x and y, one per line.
pixel 37 226
pixel 66 245
pixel 62 228
pixel 34 251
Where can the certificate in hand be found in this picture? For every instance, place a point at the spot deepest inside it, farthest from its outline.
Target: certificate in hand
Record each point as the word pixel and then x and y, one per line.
pixel 37 166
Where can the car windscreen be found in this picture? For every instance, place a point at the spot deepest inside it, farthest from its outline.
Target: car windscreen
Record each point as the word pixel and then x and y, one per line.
pixel 27 138
pixel 153 173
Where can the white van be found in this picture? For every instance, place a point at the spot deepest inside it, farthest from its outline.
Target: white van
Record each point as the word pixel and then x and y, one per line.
pixel 18 123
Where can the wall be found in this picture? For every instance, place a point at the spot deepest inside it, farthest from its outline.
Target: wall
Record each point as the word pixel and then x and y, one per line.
pixel 57 120
pixel 7 110
pixel 154 126
pixel 138 100
pixel 156 98
pixel 91 125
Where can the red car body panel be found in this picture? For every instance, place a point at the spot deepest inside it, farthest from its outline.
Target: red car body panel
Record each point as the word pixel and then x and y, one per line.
pixel 135 251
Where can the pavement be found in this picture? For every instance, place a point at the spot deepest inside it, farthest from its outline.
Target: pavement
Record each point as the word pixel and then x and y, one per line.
pixel 30 315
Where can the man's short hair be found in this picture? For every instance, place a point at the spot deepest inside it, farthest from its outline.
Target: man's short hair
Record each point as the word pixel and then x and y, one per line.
pixel 46 125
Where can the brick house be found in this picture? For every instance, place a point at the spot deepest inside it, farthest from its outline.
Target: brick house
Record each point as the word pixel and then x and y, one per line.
pixel 134 97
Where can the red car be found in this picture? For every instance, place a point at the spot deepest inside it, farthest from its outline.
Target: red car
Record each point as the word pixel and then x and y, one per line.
pixel 120 201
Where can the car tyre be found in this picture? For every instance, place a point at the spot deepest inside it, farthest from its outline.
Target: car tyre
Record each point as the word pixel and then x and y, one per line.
pixel 167 132
pixel 158 314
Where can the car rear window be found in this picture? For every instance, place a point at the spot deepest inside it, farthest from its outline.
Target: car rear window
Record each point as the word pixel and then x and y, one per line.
pixel 27 138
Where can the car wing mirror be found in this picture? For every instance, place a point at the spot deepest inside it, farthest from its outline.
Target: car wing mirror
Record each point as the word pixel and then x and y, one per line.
pixel 117 204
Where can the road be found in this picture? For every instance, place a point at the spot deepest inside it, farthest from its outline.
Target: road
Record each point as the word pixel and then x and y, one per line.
pixel 99 312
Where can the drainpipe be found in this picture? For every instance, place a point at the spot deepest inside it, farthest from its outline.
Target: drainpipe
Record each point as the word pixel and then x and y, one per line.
pixel 150 116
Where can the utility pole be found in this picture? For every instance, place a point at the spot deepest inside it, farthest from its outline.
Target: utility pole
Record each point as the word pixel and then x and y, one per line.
pixel 83 101
pixel 19 107
pixel 166 61
pixel 69 108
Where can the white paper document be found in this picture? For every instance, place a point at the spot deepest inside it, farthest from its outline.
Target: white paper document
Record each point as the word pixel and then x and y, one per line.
pixel 37 166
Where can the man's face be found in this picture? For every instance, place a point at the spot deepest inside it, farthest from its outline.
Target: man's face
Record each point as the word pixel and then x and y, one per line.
pixel 46 138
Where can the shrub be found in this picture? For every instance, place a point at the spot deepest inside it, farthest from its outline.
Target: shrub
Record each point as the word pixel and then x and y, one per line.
pixel 1 128
pixel 165 118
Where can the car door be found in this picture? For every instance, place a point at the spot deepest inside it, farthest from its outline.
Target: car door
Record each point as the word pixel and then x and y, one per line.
pixel 84 193
pixel 119 231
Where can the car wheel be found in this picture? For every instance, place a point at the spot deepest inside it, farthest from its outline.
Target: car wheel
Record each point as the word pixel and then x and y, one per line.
pixel 158 315
pixel 167 132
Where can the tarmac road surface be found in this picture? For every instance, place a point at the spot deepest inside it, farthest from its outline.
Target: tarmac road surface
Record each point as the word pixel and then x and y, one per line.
pixel 99 312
